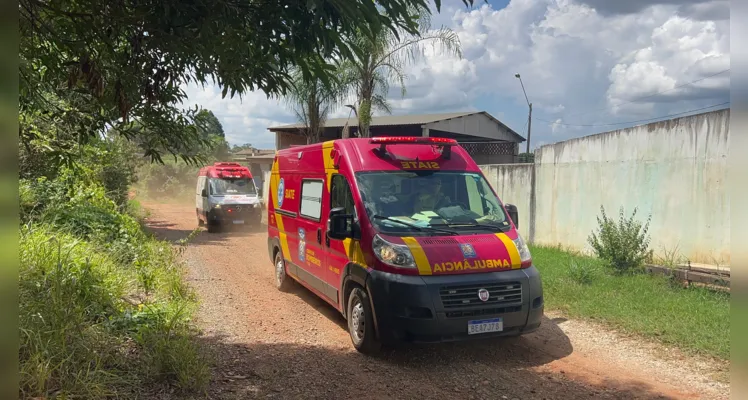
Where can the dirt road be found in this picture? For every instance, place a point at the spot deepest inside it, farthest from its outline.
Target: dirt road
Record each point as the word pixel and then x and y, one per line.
pixel 267 344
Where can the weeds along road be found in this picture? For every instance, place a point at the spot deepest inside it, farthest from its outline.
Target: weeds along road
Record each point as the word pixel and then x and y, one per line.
pixel 268 344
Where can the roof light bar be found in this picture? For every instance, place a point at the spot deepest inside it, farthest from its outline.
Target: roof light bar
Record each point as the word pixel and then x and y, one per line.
pixel 445 143
pixel 383 140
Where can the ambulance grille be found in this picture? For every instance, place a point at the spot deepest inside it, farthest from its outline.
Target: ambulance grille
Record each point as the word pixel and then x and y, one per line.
pixel 461 296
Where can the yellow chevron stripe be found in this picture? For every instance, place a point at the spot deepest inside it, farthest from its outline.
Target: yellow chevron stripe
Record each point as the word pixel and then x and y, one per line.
pixel 512 249
pixel 422 262
pixel 274 182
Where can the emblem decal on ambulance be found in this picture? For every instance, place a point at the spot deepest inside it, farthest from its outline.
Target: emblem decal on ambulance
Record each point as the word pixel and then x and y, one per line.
pixel 467 250
pixel 281 190
pixel 483 294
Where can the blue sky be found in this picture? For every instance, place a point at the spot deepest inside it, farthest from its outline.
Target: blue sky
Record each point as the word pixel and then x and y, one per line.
pixel 588 66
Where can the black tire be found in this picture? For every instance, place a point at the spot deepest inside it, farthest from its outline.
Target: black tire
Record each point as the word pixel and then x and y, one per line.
pixel 361 322
pixel 283 282
pixel 213 227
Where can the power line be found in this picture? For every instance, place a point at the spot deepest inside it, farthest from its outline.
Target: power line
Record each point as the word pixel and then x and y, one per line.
pixel 524 127
pixel 652 95
pixel 640 120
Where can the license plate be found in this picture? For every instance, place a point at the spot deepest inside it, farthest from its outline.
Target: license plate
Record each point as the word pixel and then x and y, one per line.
pixel 485 326
pixel 238 221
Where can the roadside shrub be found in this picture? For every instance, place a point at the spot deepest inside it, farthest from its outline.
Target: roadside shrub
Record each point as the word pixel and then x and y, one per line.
pixel 582 272
pixel 623 244
pixel 89 325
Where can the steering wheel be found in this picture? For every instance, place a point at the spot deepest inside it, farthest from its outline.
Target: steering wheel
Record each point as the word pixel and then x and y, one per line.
pixel 444 203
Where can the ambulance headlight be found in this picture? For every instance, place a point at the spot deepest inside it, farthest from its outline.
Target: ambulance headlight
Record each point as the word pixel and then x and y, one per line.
pixel 524 251
pixel 392 254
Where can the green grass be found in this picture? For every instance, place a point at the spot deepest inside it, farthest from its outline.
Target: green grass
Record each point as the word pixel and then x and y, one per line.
pixel 104 310
pixel 694 319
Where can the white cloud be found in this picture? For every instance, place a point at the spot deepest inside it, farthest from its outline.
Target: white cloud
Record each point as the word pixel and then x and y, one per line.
pixel 244 120
pixel 581 61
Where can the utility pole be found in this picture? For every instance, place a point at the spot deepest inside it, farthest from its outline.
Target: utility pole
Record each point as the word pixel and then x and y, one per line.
pixel 529 117
pixel 529 127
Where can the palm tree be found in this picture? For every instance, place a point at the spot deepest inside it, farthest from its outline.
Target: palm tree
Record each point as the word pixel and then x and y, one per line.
pixel 312 100
pixel 383 57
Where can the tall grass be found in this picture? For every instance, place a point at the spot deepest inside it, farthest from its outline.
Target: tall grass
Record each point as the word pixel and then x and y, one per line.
pixel 104 310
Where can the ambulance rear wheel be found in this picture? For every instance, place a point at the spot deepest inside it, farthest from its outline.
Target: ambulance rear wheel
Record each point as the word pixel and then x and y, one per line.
pixel 361 322
pixel 282 280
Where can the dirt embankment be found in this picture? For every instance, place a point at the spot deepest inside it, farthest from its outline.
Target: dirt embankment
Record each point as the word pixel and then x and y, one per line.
pixel 269 344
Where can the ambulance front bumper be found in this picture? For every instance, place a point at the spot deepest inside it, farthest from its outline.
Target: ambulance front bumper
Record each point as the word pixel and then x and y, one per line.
pixel 235 212
pixel 440 308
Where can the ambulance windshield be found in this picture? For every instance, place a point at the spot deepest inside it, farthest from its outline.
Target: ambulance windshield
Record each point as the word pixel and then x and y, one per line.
pixel 224 187
pixel 457 200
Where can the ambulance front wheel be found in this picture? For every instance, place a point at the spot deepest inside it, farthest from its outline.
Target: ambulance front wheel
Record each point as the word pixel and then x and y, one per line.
pixel 213 227
pixel 361 322
pixel 282 280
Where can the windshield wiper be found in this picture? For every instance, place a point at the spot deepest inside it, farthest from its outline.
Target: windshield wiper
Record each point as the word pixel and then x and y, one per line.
pixel 473 225
pixel 416 227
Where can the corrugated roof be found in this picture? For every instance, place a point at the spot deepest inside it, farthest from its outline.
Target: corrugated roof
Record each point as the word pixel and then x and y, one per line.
pixel 385 120
pixel 394 120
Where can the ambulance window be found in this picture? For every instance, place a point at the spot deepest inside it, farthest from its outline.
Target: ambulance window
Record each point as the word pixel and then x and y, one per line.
pixel 341 195
pixel 311 199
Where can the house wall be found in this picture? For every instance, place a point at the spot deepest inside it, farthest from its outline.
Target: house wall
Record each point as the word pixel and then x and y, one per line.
pixel 477 125
pixel 675 170
pixel 284 140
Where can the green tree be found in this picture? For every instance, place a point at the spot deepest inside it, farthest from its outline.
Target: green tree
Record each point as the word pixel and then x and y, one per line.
pixel 312 99
pixel 235 148
pixel 120 66
pixel 208 124
pixel 210 129
pixel 384 57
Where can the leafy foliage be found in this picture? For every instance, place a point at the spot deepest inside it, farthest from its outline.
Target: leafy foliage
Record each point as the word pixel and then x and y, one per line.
pixel 312 99
pixel 103 307
pixel 624 244
pixel 96 65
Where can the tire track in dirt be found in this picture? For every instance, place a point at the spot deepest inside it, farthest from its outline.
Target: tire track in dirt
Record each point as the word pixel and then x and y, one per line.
pixel 265 343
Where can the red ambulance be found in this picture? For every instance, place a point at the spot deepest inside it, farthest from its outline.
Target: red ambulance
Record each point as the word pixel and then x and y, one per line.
pixel 405 237
pixel 226 195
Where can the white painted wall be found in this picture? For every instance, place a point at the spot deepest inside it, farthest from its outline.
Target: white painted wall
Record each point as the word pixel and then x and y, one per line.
pixel 675 170
pixel 513 184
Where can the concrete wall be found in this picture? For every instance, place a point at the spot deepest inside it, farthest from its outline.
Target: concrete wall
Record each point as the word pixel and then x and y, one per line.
pixel 675 170
pixel 513 184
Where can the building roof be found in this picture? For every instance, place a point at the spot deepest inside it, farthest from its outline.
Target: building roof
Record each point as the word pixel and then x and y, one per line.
pixel 398 120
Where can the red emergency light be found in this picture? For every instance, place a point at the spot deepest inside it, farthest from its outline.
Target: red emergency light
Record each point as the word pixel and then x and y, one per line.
pixel 445 143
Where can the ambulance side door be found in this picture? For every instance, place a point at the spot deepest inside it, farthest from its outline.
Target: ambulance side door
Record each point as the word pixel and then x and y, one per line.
pixel 309 235
pixel 338 250
pixel 199 199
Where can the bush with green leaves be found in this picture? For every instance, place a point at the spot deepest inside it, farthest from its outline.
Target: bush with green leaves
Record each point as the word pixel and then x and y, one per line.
pixel 623 244
pixel 104 309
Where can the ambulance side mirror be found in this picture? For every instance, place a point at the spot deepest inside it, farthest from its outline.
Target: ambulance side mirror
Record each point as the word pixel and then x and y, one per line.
pixel 204 193
pixel 513 213
pixel 339 225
